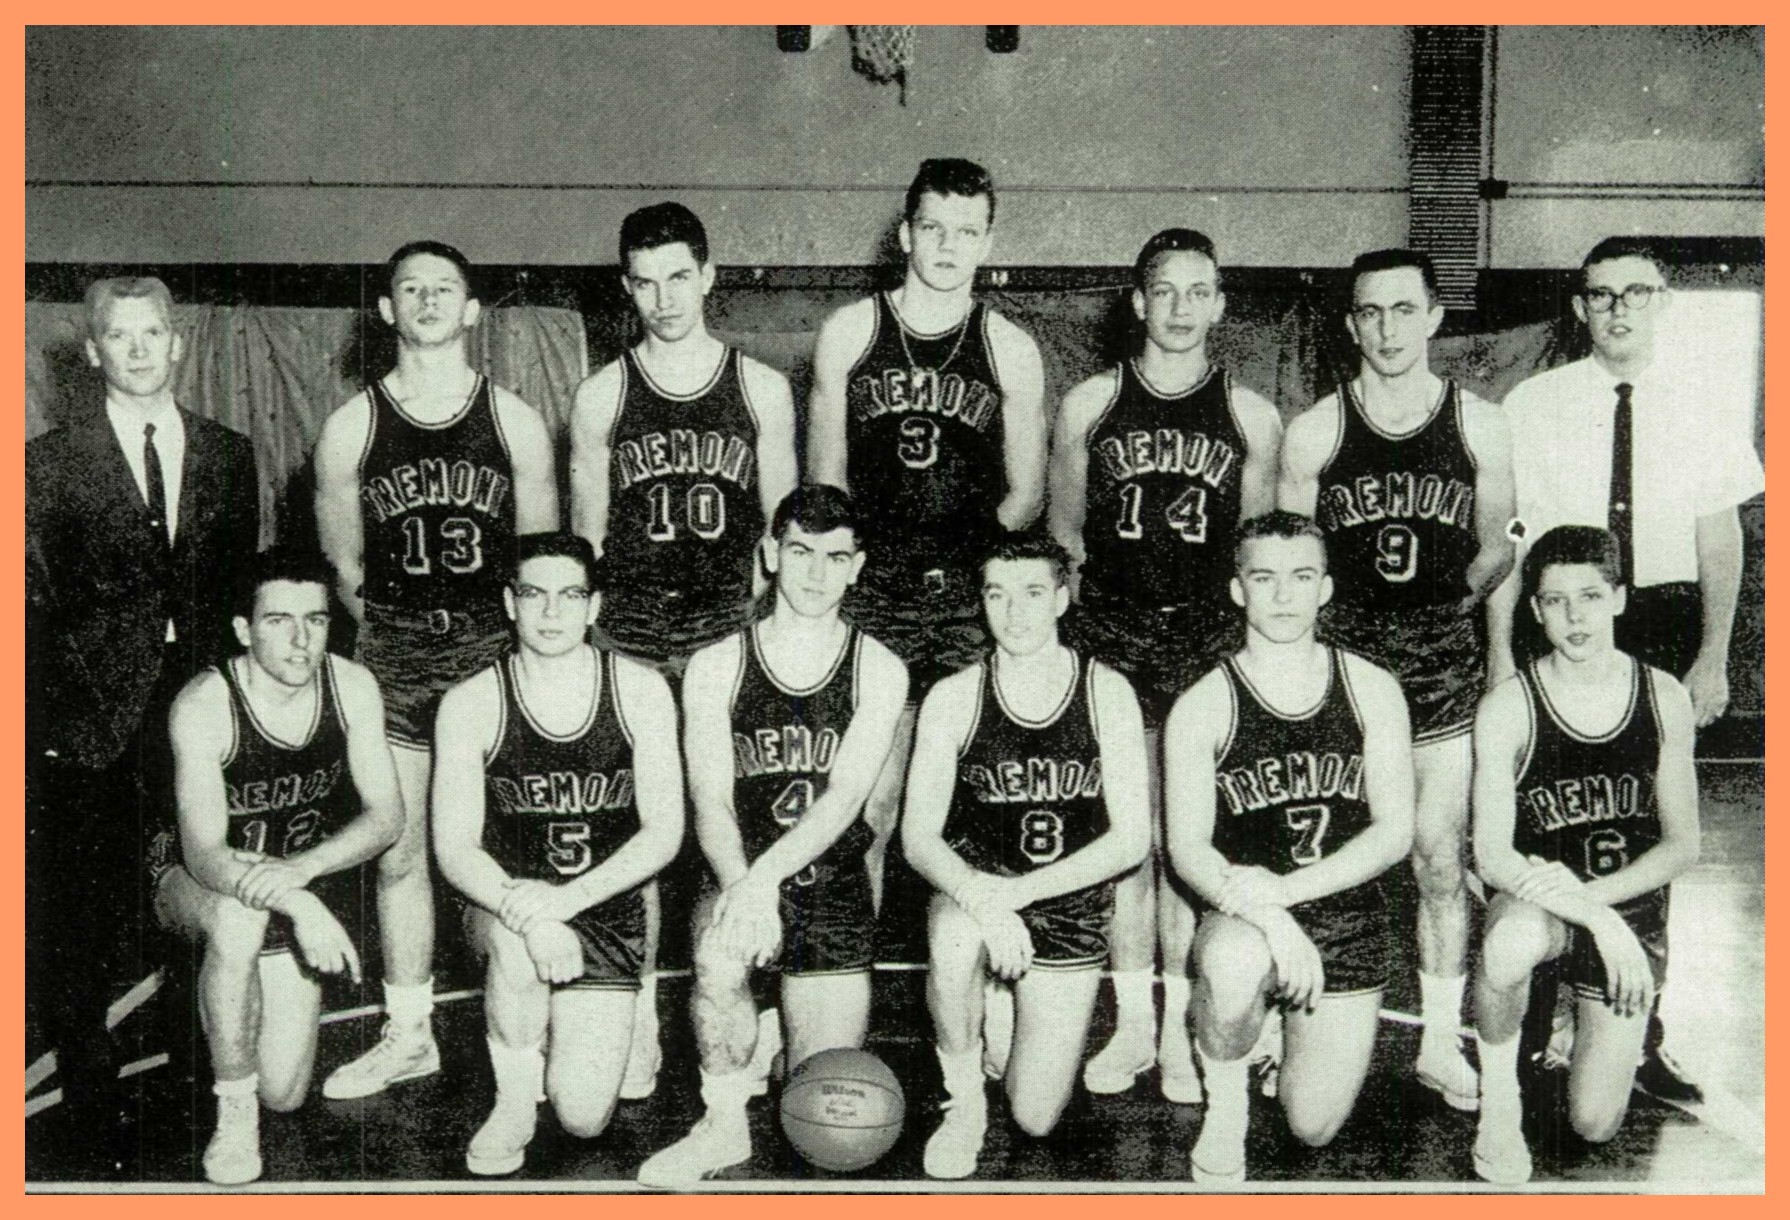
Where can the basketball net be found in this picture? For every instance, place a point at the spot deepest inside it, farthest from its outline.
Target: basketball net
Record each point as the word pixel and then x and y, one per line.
pixel 883 53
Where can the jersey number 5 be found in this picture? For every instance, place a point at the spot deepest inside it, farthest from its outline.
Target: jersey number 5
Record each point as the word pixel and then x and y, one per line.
pixel 568 847
pixel 460 551
pixel 1186 517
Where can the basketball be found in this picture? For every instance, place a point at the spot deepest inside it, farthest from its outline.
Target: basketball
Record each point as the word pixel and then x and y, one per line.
pixel 842 1109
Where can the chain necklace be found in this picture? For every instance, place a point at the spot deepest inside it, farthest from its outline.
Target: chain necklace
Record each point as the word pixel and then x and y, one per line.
pixel 963 328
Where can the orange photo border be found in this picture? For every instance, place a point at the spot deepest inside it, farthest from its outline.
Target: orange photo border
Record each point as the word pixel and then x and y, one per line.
pixel 869 1207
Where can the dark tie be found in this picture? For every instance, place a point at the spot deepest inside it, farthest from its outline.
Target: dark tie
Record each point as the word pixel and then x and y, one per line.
pixel 152 479
pixel 1622 481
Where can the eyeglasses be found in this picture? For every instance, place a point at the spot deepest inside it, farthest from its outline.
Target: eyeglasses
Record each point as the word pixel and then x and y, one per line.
pixel 1603 300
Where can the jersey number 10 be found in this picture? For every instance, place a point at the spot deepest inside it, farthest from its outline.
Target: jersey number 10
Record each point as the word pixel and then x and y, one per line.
pixel 705 512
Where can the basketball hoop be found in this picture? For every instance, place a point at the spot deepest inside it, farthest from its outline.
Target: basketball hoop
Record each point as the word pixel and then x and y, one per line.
pixel 883 53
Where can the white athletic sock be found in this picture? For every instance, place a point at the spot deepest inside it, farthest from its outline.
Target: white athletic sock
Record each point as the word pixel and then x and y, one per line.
pixel 244 1087
pixel 1177 998
pixel 410 1005
pixel 1227 1091
pixel 1499 1092
pixel 725 1094
pixel 1135 994
pixel 521 1071
pixel 1442 996
pixel 963 1076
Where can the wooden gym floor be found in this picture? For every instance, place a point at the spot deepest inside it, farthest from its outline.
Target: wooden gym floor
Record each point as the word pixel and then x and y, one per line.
pixel 1400 1138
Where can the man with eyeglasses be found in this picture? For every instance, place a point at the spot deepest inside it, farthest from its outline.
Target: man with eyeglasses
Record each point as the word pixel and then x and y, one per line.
pixel 1623 440
pixel 1409 476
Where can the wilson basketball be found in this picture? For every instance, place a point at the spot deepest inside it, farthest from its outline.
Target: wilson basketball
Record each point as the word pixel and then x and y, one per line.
pixel 842 1109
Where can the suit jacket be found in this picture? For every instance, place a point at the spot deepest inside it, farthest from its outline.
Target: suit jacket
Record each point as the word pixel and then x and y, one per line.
pixel 101 582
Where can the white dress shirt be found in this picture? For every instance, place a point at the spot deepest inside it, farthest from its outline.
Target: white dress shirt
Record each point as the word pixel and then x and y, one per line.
pixel 128 422
pixel 1693 455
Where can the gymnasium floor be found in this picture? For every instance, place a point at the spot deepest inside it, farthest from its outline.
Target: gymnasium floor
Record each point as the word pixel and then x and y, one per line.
pixel 1400 1138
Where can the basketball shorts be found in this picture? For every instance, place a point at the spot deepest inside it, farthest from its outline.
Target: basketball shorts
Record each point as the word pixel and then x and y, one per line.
pixel 612 936
pixel 931 619
pixel 1353 935
pixel 829 922
pixel 665 626
pixel 339 892
pixel 1582 966
pixel 416 655
pixel 1437 655
pixel 1071 931
pixel 1161 650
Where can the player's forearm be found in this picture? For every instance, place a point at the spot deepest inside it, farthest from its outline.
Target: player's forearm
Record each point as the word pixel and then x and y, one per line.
pixel 1500 614
pixel 1114 852
pixel 805 842
pixel 718 835
pixel 1490 566
pixel 1020 508
pixel 470 869
pixel 214 867
pixel 1653 869
pixel 1359 861
pixel 637 861
pixel 942 868
pixel 361 840
pixel 1719 558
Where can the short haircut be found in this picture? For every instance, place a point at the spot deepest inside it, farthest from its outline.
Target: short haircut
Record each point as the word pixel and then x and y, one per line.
pixel 949 176
pixel 1572 544
pixel 1392 260
pixel 298 565
pixel 1612 248
pixel 101 294
pixel 1030 544
pixel 1278 523
pixel 662 224
pixel 1170 241
pixel 440 249
pixel 819 508
pixel 560 544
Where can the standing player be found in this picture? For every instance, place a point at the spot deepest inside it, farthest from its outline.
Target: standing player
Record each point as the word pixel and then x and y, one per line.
pixel 681 450
pixel 1289 793
pixel 787 724
pixel 423 480
pixel 284 784
pixel 1027 796
pixel 557 795
pixel 1154 464
pixel 1585 809
pixel 929 406
pixel 1409 476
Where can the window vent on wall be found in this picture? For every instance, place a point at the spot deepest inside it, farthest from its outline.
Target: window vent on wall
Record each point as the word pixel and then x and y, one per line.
pixel 1448 154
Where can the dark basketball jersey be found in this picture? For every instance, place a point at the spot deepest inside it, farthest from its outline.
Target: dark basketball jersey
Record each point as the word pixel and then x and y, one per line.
pixel 1165 491
pixel 1397 511
pixel 684 509
pixel 924 440
pixel 1028 793
pixel 784 744
pixel 1587 802
pixel 556 807
pixel 1290 788
pixel 285 799
pixel 437 505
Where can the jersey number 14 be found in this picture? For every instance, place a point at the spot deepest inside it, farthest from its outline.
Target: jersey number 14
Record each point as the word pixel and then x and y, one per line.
pixel 1186 516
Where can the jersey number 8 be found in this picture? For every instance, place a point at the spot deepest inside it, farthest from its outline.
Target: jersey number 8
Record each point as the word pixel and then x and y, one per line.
pixel 1041 836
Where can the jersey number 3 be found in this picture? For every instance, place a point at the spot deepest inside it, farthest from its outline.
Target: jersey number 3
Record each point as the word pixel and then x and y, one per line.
pixel 918 447
pixel 1186 516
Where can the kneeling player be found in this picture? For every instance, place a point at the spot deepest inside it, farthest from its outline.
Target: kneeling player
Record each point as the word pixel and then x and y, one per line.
pixel 1027 796
pixel 557 794
pixel 1289 793
pixel 284 782
pixel 1585 808
pixel 787 725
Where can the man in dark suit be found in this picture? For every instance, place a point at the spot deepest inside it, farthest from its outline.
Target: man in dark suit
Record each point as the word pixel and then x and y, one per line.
pixel 137 520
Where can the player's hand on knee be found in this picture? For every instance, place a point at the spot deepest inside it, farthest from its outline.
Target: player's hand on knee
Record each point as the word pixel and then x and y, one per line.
pixel 1628 974
pixel 1248 886
pixel 1009 944
pixel 267 880
pixel 986 894
pixel 1297 963
pixel 554 949
pixel 526 901
pixel 1706 682
pixel 1547 880
pixel 322 941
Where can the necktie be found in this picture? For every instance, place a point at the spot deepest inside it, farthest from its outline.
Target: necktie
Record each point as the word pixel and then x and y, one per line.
pixel 1622 478
pixel 152 480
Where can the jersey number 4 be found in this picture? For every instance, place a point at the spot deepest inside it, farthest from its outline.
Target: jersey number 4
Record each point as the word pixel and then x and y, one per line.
pixel 1186 517
pixel 705 512
pixel 459 551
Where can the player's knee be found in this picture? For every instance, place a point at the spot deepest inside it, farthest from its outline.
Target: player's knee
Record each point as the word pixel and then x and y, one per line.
pixel 1437 863
pixel 284 1096
pixel 237 932
pixel 582 1114
pixel 1037 1117
pixel 1515 944
pixel 1233 958
pixel 1596 1121
pixel 406 858
pixel 1311 1126
pixel 719 968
